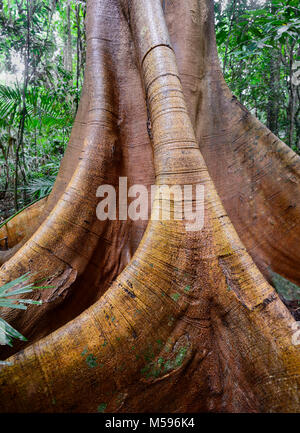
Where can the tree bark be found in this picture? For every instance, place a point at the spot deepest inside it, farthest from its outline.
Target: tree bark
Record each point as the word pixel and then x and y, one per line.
pixel 5 153
pixel 232 18
pixel 291 104
pixel 68 41
pixel 140 311
pixel 274 94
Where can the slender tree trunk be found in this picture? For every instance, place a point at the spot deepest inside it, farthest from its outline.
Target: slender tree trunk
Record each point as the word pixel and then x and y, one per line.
pixel 232 18
pixel 297 118
pixel 6 167
pixel 291 105
pixel 78 52
pixel 68 46
pixel 19 147
pixel 273 103
pixel 17 155
pixel 140 310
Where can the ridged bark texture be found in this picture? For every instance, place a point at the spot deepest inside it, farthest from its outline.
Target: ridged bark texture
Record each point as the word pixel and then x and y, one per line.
pixel 160 318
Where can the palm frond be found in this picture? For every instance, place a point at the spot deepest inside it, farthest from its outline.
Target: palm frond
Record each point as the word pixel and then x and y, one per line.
pixel 41 105
pixel 40 187
pixel 10 100
pixel 16 287
pixel 7 333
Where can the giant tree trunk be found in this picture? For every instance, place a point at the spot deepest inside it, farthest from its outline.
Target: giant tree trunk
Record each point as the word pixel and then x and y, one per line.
pixel 149 313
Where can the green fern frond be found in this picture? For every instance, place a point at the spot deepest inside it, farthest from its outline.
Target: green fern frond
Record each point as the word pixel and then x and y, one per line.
pixel 40 187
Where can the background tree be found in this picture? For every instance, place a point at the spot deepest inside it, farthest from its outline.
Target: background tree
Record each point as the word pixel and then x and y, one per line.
pixel 259 46
pixel 138 310
pixel 39 93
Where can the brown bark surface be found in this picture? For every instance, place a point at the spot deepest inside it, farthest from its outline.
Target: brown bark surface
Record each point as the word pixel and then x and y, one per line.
pixel 139 316
pixel 17 230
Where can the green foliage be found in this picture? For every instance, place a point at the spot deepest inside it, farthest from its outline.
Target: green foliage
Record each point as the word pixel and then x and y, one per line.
pixel 15 288
pixel 42 55
pixel 289 293
pixel 42 58
pixel 289 290
pixel 258 44
pixel 43 108
pixel 40 187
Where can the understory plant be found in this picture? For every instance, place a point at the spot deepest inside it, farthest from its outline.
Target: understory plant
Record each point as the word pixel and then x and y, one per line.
pixel 9 299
